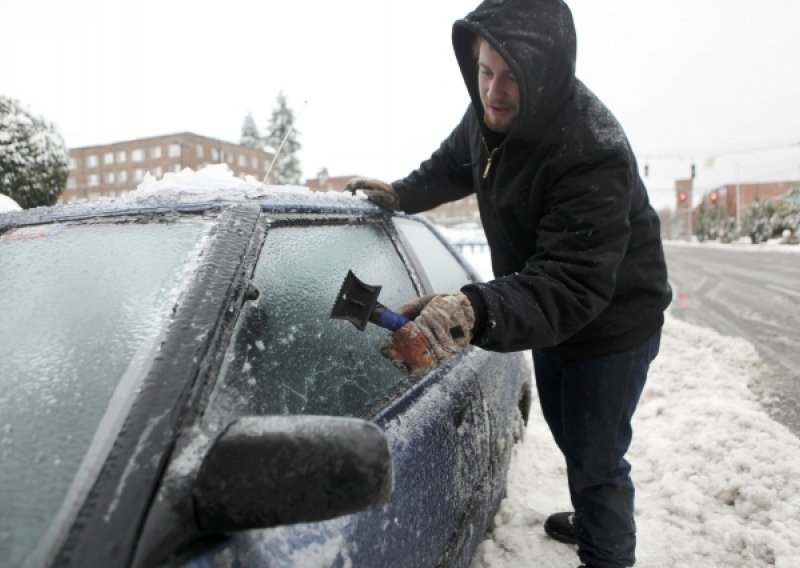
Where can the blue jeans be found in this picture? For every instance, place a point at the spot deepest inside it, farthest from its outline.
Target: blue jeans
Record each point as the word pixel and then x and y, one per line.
pixel 588 405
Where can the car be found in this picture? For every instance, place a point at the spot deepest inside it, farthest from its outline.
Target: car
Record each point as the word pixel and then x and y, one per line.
pixel 174 391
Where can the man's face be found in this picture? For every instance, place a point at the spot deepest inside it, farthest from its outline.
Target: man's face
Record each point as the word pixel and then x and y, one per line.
pixel 498 88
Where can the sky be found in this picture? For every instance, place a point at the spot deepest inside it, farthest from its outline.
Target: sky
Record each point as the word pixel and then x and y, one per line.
pixel 375 87
pixel 717 480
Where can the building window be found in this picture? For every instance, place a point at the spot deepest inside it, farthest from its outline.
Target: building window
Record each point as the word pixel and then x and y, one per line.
pixel 137 155
pixel 158 172
pixel 123 176
pixel 214 155
pixel 138 174
pixel 200 151
pixel 110 177
pixel 176 168
pixel 121 156
pixel 108 158
pixel 155 152
pixel 93 180
pixel 254 163
pixel 72 164
pixel 242 161
pixel 92 161
pixel 71 183
pixel 174 150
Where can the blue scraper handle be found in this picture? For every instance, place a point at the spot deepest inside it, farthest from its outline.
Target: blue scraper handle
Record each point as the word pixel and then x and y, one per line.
pixel 388 319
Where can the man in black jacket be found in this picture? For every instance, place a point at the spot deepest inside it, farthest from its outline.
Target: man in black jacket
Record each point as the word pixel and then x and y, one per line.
pixel 580 275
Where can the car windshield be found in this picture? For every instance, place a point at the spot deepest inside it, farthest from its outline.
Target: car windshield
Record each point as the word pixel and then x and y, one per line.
pixel 81 307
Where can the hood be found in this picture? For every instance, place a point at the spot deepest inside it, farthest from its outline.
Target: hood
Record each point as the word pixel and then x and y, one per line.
pixel 536 38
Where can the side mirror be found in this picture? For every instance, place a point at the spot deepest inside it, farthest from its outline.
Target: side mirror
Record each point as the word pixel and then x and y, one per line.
pixel 267 471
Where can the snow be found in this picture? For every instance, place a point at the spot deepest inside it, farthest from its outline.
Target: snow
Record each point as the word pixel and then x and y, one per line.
pixel 8 204
pixel 717 480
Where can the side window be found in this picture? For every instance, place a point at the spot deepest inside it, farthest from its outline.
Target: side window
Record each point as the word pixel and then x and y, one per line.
pixel 286 356
pixel 444 272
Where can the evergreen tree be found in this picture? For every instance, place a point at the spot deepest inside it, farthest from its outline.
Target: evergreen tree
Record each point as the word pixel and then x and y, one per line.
pixel 282 140
pixel 250 136
pixel 33 157
pixel 759 221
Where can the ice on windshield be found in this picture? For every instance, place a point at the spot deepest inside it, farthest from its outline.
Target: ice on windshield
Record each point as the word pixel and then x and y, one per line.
pixel 79 302
pixel 287 356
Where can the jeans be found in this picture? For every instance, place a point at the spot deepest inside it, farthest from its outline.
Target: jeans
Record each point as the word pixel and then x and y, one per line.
pixel 588 405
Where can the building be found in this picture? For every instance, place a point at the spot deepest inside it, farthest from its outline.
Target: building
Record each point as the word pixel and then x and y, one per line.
pixel 115 169
pixel 733 200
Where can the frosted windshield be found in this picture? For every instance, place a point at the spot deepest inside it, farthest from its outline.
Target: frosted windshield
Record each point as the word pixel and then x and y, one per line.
pixel 286 355
pixel 80 307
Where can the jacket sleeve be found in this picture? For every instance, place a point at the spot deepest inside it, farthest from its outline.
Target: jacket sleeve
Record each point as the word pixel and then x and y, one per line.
pixel 581 241
pixel 445 176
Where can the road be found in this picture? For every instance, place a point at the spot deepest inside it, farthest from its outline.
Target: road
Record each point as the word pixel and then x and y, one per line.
pixel 750 293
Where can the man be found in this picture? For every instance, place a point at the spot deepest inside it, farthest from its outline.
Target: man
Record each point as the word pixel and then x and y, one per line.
pixel 580 276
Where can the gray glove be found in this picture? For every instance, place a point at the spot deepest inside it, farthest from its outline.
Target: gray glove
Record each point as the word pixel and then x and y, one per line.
pixel 379 192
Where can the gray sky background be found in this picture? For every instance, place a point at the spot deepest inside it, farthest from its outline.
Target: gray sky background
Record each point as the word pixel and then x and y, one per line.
pixel 375 86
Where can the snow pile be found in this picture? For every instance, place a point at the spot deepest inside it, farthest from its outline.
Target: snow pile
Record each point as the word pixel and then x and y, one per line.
pixel 217 182
pixel 718 481
pixel 213 181
pixel 8 204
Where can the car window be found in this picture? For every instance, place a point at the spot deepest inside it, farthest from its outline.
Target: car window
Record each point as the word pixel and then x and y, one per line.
pixel 444 272
pixel 80 305
pixel 286 355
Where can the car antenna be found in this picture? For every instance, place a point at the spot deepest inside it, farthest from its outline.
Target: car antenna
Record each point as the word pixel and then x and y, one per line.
pixel 280 147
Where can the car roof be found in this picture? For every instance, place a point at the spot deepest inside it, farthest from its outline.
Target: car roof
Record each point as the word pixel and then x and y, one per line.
pixel 199 198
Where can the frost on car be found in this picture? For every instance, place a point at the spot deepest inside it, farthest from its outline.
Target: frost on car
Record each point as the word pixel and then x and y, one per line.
pixel 174 392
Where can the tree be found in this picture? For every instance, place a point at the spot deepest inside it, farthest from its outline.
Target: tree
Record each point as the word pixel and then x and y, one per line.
pixel 759 221
pixel 33 157
pixel 282 140
pixel 250 137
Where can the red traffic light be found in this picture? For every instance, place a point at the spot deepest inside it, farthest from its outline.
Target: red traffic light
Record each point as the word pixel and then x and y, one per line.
pixel 682 196
pixel 714 197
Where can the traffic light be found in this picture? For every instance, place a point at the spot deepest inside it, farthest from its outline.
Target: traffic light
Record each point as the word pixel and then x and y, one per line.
pixel 693 171
pixel 683 196
pixel 714 198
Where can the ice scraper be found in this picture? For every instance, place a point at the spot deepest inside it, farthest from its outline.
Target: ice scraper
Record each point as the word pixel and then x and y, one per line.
pixel 358 303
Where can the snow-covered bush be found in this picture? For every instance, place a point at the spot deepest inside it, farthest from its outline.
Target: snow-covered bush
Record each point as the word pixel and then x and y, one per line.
pixel 33 157
pixel 787 213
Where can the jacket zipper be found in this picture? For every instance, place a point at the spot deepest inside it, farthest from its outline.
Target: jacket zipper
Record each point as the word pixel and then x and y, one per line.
pixel 489 159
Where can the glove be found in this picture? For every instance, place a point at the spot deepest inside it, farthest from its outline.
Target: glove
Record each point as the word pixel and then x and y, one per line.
pixel 446 322
pixel 380 193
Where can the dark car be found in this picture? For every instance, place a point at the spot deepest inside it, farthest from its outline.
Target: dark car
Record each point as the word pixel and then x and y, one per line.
pixel 174 392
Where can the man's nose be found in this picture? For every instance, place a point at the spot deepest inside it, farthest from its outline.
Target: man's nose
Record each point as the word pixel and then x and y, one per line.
pixel 495 90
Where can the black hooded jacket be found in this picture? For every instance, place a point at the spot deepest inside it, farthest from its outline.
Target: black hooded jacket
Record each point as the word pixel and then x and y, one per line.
pixel 576 248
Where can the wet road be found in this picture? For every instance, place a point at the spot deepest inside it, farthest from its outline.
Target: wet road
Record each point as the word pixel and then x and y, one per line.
pixel 744 292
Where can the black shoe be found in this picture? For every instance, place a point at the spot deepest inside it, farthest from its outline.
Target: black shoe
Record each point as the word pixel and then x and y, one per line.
pixel 561 527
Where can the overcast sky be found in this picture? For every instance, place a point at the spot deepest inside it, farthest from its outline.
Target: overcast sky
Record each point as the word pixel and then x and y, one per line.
pixel 375 86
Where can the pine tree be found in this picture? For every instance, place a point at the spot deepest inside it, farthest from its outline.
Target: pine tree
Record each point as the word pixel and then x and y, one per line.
pixel 33 157
pixel 282 140
pixel 250 137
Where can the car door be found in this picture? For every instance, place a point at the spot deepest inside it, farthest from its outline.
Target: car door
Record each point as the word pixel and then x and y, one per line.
pixel 287 357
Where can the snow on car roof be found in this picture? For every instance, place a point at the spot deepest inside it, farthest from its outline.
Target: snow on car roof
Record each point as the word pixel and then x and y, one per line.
pixel 211 185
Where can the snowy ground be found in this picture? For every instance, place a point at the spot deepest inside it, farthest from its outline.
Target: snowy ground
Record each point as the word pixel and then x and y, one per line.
pixel 718 481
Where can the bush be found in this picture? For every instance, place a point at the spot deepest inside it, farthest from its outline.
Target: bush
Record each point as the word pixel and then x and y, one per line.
pixel 33 158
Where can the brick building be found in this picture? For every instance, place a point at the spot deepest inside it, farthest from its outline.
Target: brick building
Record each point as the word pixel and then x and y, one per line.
pixel 115 169
pixel 725 197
